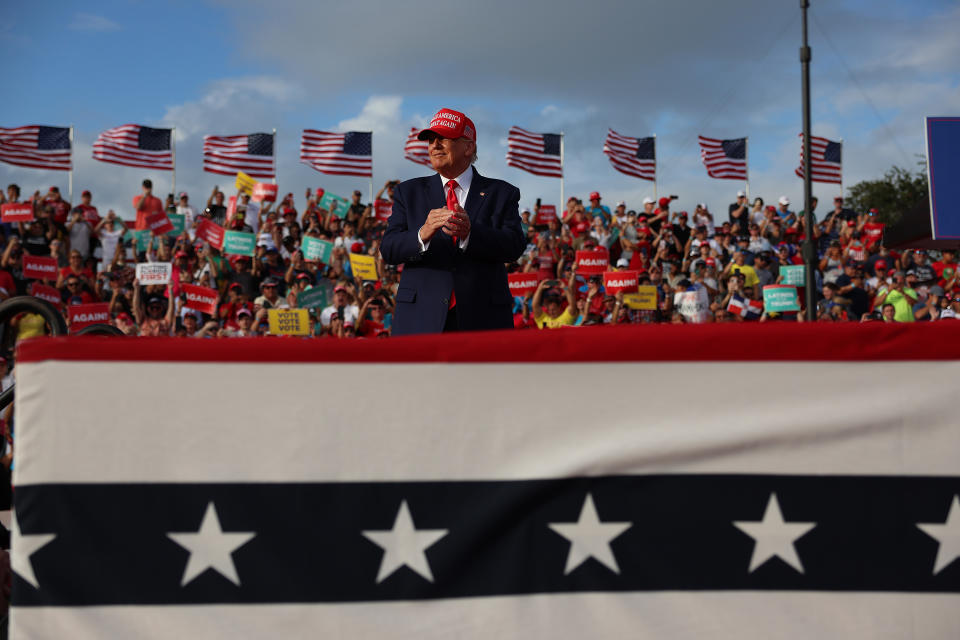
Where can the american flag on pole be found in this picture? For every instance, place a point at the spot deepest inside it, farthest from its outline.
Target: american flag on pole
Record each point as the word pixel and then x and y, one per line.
pixel 134 145
pixel 632 156
pixel 228 155
pixel 538 153
pixel 725 159
pixel 416 150
pixel 339 154
pixel 37 147
pixel 825 160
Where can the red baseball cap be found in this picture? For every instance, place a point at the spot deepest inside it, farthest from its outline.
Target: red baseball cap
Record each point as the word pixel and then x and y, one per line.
pixel 595 195
pixel 448 123
pixel 664 202
pixel 711 262
pixel 356 247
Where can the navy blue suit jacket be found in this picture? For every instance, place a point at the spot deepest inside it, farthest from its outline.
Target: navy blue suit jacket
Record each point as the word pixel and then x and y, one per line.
pixel 477 274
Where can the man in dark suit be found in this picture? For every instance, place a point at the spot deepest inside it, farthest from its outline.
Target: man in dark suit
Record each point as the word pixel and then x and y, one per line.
pixel 453 232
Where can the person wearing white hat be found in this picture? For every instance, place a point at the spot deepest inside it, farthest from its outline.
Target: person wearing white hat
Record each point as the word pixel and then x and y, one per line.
pixel 739 214
pixel 788 217
pixel 702 217
pixel 649 204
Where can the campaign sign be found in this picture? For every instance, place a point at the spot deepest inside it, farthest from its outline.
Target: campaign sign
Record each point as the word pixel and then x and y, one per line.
pixel 383 209
pixel 545 214
pixel 645 298
pixel 263 192
pixel 694 304
pixel 154 272
pixel 239 243
pixel 39 268
pixel 779 297
pixel 615 282
pixel 793 275
pixel 943 167
pixel 522 283
pixel 316 297
pixel 140 238
pixel 333 203
pixel 210 232
pixel 179 223
pixel 46 292
pixel 16 212
pixel 363 267
pixel 159 224
pixel 245 183
pixel 289 322
pixel 231 207
pixel 84 315
pixel 316 250
pixel 592 261
pixel 202 299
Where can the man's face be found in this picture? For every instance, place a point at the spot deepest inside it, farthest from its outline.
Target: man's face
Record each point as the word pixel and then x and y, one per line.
pixel 219 197
pixel 11 194
pixel 888 313
pixel 552 307
pixel 340 298
pixel 85 200
pixel 738 257
pixel 190 322
pixel 450 157
pixel 270 291
pixel 594 202
pixel 244 320
pixel 648 208
pixel 155 309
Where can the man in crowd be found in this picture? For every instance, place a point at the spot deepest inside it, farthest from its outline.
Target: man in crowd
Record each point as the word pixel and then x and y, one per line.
pixel 146 204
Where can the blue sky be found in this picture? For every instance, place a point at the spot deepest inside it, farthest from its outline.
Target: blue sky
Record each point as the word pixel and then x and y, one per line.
pixel 676 69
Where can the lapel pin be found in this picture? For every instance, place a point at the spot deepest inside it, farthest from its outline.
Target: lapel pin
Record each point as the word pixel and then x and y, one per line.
pixel 482 194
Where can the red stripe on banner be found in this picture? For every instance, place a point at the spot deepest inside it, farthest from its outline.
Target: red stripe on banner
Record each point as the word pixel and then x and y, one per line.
pixel 767 342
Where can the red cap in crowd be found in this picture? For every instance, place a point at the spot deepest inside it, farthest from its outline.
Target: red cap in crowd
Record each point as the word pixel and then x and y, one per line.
pixel 448 123
pixel 356 247
pixel 664 202
pixel 595 195
pixel 85 193
pixel 123 315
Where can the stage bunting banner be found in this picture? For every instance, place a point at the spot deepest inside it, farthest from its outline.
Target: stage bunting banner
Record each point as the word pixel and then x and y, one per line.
pixel 459 485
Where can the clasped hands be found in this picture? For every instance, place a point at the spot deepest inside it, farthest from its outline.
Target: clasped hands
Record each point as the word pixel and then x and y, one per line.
pixel 453 223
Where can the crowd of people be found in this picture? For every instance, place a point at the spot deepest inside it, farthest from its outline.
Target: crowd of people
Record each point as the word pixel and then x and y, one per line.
pixel 724 259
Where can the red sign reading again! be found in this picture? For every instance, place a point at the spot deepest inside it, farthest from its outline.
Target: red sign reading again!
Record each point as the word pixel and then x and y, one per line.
pixel 592 261
pixel 545 214
pixel 39 268
pixel 83 315
pixel 620 282
pixel 16 212
pixel 203 299
pixel 210 232
pixel 263 192
pixel 522 283
pixel 159 223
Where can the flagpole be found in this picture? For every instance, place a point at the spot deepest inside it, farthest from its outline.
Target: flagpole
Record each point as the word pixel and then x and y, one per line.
pixel 746 167
pixel 173 157
pixel 809 250
pixel 562 204
pixel 274 156
pixel 654 166
pixel 70 175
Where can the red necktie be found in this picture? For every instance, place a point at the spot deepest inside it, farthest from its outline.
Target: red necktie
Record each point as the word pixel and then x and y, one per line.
pixel 453 204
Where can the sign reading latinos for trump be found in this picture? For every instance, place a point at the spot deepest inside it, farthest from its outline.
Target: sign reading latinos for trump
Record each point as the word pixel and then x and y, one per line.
pixel 154 272
pixel 644 299
pixel 316 249
pixel 46 292
pixel 263 192
pixel 159 224
pixel 383 209
pixel 84 315
pixel 317 296
pixel 178 222
pixel 615 282
pixel 239 243
pixel 521 284
pixel 793 275
pixel 210 232
pixel 333 203
pixel 39 267
pixel 304 515
pixel 592 261
pixel 16 212
pixel 245 183
pixel 202 299
pixel 363 267
pixel 141 238
pixel 545 214
pixel 778 298
pixel 289 322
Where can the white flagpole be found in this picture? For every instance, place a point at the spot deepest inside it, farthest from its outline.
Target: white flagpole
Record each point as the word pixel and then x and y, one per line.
pixel 274 156
pixel 746 162
pixel 70 175
pixel 173 157
pixel 654 166
pixel 562 205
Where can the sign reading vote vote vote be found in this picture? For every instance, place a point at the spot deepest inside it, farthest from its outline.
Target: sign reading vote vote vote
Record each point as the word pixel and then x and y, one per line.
pixel 289 322
pixel 316 250
pixel 592 261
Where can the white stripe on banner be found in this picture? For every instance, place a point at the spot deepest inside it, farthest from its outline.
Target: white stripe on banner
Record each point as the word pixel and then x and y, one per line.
pixel 530 421
pixel 673 615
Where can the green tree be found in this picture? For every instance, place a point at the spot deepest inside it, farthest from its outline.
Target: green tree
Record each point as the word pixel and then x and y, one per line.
pixel 899 191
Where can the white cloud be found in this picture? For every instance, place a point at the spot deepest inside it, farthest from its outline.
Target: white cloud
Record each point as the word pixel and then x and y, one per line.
pixel 92 22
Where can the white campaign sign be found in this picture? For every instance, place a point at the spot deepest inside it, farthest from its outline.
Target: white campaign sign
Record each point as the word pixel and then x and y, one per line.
pixel 154 272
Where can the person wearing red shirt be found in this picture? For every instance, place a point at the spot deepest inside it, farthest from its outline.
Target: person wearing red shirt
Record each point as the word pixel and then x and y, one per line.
pixel 146 204
pixel 948 260
pixel 76 269
pixel 60 206
pixel 90 213
pixel 872 230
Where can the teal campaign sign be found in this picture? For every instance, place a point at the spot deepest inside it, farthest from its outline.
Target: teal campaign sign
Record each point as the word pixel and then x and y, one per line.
pixel 778 298
pixel 793 275
pixel 142 238
pixel 315 249
pixel 179 222
pixel 316 297
pixel 335 204
pixel 239 243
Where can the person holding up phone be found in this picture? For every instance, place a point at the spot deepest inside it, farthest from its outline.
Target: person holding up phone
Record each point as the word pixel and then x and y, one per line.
pixel 548 308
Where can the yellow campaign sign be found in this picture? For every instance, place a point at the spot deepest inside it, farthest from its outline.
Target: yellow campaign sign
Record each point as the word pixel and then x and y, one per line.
pixel 644 298
pixel 289 322
pixel 245 183
pixel 364 267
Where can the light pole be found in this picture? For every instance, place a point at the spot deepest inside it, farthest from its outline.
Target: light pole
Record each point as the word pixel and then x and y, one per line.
pixel 809 248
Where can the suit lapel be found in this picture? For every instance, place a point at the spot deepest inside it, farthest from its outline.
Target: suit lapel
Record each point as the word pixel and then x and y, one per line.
pixel 476 196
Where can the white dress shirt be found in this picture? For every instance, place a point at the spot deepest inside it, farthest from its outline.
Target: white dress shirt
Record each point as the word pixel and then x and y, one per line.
pixel 461 191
